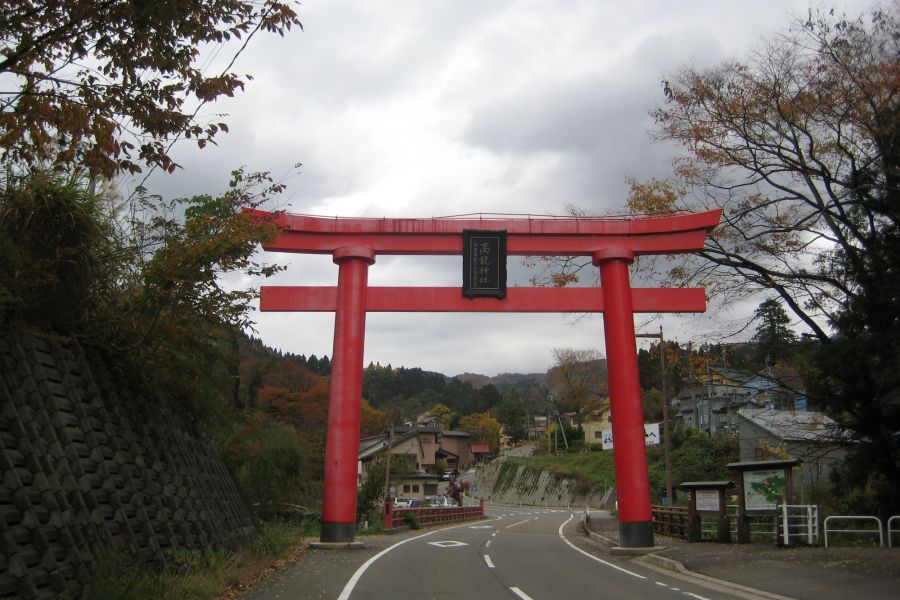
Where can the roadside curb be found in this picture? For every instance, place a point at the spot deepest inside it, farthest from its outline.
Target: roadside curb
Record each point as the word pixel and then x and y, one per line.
pixel 654 561
pixel 662 563
pixel 669 564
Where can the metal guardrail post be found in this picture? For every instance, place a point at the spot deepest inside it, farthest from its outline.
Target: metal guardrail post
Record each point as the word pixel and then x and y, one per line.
pixel 890 531
pixel 809 533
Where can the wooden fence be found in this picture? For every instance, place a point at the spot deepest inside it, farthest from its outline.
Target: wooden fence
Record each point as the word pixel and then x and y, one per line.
pixel 670 520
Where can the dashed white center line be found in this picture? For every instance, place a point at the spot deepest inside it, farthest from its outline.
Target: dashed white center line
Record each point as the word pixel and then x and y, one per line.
pixel 487 560
pixel 520 593
pixel 520 522
pixel 487 544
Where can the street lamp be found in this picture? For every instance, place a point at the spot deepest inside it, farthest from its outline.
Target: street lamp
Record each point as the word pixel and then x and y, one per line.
pixel 665 407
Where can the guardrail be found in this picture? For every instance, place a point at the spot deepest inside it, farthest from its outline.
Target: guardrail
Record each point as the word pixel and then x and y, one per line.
pixel 880 531
pixel 427 515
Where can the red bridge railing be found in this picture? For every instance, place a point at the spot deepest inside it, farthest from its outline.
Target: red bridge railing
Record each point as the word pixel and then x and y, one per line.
pixel 428 515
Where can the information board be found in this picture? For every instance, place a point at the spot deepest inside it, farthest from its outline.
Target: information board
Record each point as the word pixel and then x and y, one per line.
pixel 707 500
pixel 763 490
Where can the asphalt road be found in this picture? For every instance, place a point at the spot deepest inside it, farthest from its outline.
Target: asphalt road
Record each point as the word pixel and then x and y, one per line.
pixel 518 553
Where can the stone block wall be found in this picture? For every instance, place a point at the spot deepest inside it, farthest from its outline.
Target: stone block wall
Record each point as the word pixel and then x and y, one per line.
pixel 87 463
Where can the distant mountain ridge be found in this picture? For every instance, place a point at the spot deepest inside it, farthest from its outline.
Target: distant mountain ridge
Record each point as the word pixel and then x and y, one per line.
pixel 503 380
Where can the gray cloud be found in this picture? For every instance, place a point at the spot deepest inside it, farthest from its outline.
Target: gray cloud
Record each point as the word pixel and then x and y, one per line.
pixel 436 108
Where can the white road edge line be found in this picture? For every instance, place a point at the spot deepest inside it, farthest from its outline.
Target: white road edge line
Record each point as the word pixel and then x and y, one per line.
pixel 487 559
pixel 520 593
pixel 354 579
pixel 591 556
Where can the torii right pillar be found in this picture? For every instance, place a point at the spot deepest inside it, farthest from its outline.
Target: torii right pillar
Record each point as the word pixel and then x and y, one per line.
pixel 632 484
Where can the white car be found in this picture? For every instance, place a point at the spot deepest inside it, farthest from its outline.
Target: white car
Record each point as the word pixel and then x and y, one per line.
pixel 403 502
pixel 438 501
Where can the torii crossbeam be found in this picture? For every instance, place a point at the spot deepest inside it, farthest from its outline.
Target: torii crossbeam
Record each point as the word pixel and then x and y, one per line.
pixel 612 245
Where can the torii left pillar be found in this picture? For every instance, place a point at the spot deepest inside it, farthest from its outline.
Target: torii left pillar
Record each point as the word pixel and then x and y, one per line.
pixel 342 442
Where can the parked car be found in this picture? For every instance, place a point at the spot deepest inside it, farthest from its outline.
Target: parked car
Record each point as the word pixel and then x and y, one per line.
pixel 438 501
pixel 404 502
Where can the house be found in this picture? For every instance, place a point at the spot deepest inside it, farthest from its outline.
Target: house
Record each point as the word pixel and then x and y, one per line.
pixel 594 419
pixel 481 452
pixel 778 387
pixel 712 403
pixel 456 449
pixel 811 437
pixel 537 427
pixel 506 440
pixel 418 447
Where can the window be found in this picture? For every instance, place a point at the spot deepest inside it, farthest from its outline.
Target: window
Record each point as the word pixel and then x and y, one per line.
pixel 598 435
pixel 415 488
pixel 430 489
pixel 405 488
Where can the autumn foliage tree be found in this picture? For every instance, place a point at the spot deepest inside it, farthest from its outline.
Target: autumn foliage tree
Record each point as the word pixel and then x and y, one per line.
pixel 112 83
pixel 483 427
pixel 800 147
pixel 578 378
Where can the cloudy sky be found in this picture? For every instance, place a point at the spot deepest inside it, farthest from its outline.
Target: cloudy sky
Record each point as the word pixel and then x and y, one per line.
pixel 421 109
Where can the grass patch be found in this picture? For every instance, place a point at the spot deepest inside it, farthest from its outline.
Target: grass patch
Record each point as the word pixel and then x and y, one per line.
pixel 195 574
pixel 411 520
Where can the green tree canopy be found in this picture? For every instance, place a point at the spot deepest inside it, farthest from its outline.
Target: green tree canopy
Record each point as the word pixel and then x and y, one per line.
pixel 513 414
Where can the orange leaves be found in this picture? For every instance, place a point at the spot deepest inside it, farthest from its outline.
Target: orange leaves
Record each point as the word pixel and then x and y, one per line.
pixel 560 279
pixel 372 421
pixel 653 197
pixel 483 427
pixel 146 62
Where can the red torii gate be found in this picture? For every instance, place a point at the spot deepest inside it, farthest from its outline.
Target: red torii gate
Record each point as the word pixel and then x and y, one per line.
pixel 612 245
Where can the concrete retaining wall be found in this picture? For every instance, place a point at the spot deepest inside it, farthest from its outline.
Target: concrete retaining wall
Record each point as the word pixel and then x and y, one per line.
pixel 87 463
pixel 507 483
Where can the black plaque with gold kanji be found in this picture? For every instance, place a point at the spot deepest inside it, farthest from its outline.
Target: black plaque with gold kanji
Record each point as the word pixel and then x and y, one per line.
pixel 484 263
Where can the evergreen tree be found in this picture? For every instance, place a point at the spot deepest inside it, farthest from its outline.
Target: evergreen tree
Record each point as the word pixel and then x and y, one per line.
pixel 774 338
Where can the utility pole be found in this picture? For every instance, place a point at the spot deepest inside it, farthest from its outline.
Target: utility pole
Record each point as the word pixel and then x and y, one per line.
pixel 387 469
pixel 665 408
pixel 559 420
pixel 709 395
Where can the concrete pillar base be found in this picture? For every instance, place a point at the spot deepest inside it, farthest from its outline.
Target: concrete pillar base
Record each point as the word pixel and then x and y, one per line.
pixel 340 533
pixel 636 534
pixel 337 545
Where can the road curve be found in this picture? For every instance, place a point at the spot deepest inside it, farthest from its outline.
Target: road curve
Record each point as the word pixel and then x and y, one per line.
pixel 517 553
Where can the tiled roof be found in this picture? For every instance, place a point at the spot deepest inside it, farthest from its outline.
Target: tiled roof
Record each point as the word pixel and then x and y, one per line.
pixel 790 425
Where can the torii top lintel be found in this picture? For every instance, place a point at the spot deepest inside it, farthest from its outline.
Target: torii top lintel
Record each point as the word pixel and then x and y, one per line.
pixel 526 236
